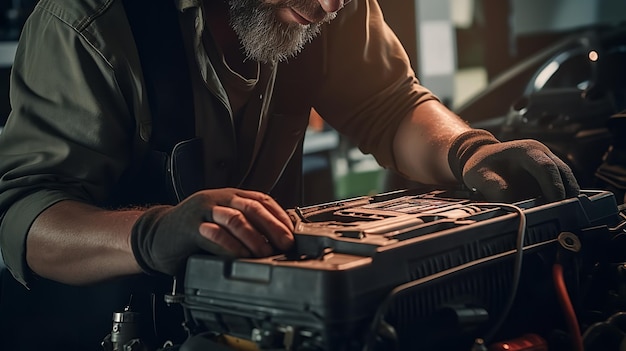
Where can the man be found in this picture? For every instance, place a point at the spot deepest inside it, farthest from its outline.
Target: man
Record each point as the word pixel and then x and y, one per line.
pixel 82 203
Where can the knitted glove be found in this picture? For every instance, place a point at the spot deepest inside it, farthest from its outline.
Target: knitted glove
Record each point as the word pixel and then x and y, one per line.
pixel 224 222
pixel 510 171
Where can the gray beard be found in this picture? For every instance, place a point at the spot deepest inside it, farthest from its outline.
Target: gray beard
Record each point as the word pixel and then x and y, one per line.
pixel 266 39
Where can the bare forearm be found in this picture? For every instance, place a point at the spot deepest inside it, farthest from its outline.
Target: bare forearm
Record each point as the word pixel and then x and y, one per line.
pixel 422 142
pixel 75 243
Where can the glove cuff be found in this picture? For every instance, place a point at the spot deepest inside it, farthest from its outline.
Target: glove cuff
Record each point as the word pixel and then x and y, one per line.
pixel 141 237
pixel 464 146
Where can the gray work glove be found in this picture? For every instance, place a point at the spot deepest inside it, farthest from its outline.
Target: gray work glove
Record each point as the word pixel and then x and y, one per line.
pixel 225 222
pixel 510 171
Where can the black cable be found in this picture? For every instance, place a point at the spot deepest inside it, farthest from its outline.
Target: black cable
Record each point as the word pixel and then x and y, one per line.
pixel 517 270
pixel 519 251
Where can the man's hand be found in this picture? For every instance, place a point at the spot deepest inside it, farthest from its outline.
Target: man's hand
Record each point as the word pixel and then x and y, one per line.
pixel 226 222
pixel 510 171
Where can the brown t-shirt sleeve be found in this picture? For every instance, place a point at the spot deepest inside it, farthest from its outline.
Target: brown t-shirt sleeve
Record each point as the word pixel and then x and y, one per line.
pixel 368 84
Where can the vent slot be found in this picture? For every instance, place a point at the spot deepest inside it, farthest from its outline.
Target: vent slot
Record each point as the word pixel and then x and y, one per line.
pixel 480 249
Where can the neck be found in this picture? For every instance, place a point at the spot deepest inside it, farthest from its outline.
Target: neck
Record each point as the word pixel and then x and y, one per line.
pixel 217 18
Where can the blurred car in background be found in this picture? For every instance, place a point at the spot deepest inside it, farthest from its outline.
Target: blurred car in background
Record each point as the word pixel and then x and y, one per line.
pixel 562 96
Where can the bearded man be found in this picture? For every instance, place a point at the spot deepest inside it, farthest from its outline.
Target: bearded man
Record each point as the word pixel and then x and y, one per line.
pixel 143 132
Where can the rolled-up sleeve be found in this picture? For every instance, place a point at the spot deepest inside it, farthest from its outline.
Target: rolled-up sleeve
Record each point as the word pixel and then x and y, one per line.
pixel 369 85
pixel 68 135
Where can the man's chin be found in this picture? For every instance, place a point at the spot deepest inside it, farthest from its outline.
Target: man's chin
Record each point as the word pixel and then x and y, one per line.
pixel 272 56
pixel 271 33
pixel 280 45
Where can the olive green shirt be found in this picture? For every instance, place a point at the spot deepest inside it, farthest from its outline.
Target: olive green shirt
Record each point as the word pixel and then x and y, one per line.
pixel 80 115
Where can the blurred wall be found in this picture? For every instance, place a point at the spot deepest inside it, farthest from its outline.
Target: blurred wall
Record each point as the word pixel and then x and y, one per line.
pixel 512 30
pixel 532 16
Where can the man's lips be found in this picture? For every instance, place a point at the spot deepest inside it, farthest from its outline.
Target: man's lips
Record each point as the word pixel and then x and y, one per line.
pixel 299 17
pixel 295 15
pixel 288 15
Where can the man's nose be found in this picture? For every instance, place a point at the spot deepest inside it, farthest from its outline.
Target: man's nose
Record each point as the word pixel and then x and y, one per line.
pixel 332 5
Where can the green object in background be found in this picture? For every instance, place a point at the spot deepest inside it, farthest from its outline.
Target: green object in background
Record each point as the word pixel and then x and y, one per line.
pixel 354 184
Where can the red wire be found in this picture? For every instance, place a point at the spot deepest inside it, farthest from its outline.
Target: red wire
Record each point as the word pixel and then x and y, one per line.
pixel 568 309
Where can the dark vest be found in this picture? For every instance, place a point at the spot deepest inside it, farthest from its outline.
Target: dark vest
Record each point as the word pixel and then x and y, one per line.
pixel 172 168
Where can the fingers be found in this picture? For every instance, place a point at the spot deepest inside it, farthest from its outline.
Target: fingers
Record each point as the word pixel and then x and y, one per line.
pixel 521 169
pixel 571 186
pixel 219 242
pixel 267 216
pixel 490 184
pixel 270 204
pixel 241 242
pixel 547 174
pixel 555 178
pixel 243 223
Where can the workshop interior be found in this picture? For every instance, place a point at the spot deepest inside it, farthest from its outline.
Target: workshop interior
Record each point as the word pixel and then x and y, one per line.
pixel 386 264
